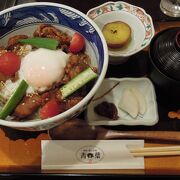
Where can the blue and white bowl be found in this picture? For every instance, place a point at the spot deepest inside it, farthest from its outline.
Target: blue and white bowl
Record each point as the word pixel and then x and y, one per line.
pixel 23 19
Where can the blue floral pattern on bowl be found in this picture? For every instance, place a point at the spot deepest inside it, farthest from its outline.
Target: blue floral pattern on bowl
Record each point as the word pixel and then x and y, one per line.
pixel 38 14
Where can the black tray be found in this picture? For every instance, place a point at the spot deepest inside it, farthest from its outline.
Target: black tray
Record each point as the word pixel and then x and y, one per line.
pixel 137 66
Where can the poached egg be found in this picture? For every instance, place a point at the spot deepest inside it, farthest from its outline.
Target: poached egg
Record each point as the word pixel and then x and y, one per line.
pixel 42 68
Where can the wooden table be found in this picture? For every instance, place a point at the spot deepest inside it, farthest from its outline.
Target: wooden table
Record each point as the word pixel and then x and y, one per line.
pixel 24 156
pixel 14 144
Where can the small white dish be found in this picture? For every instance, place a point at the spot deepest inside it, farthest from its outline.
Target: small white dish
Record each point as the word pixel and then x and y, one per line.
pixel 139 21
pixel 149 118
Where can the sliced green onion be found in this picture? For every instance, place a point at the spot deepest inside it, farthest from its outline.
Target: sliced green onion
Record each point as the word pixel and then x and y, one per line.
pixel 38 42
pixel 14 100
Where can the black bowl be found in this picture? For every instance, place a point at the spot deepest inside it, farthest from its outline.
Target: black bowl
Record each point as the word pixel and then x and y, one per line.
pixel 165 50
pixel 164 54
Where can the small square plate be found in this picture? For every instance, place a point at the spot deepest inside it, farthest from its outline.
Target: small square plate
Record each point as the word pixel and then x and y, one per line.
pixel 149 118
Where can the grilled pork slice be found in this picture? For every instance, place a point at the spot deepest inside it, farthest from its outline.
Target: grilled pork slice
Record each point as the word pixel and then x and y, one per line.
pixel 32 102
pixel 46 30
pixel 75 65
pixel 14 40
pixel 27 106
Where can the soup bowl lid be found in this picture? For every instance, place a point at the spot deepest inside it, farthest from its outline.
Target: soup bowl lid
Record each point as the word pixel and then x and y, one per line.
pixel 165 52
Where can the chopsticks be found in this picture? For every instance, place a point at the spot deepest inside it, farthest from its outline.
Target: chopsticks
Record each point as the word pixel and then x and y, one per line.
pixel 156 151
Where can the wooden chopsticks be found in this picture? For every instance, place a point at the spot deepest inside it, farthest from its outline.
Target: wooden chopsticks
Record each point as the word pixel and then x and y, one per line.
pixel 156 151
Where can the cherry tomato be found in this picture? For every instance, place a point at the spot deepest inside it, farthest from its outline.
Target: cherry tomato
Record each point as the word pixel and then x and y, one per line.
pixel 50 109
pixel 9 63
pixel 77 43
